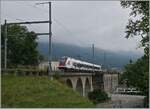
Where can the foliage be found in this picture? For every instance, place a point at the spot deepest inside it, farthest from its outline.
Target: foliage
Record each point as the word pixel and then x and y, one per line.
pixel 138 24
pixel 21 44
pixel 39 92
pixel 56 75
pixel 137 73
pixel 98 96
pixel 146 101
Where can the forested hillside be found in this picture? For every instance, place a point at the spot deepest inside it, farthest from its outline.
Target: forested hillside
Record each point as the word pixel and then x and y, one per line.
pixel 107 58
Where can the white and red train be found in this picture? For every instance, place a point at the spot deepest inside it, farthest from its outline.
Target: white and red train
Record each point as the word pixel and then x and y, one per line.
pixel 71 64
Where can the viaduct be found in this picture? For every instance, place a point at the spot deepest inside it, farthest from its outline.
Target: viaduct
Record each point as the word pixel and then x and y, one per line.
pixel 83 82
pixel 86 82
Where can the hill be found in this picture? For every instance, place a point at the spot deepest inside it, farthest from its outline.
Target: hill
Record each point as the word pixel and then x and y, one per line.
pixel 38 92
pixel 112 59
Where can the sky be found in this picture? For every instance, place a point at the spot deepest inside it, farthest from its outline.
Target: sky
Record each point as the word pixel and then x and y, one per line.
pixel 82 23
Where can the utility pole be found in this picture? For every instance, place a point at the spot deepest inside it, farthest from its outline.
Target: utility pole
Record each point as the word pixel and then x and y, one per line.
pixel 50 39
pixel 5 46
pixel 93 55
pixel 6 35
pixel 32 22
pixel 50 35
pixel 104 60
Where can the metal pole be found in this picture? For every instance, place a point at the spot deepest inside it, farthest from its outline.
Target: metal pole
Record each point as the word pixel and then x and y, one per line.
pixel 31 22
pixel 50 35
pixel 93 55
pixel 104 60
pixel 5 46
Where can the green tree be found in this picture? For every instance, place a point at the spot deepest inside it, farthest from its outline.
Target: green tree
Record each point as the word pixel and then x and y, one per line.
pixel 137 73
pixel 21 44
pixel 97 96
pixel 138 24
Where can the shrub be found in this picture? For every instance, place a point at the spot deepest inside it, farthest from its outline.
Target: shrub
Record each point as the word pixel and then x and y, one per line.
pixel 56 75
pixel 146 102
pixel 98 96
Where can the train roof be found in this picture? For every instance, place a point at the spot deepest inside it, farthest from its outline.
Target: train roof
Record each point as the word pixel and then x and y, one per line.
pixel 80 61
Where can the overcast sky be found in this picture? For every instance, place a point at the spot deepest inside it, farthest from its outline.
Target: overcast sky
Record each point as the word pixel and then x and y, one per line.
pixel 77 22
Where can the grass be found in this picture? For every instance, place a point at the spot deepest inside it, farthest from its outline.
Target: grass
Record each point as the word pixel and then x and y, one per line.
pixel 32 92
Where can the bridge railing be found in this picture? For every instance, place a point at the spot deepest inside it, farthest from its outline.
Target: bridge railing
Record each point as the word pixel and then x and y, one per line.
pixel 23 71
pixel 131 91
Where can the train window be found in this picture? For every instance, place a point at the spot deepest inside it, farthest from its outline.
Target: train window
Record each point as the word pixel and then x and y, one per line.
pixel 79 65
pixel 97 68
pixel 82 65
pixel 74 64
pixel 86 66
pixel 68 63
pixel 62 61
pixel 91 66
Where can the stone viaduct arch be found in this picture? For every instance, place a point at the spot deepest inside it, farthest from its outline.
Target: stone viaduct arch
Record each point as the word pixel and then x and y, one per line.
pixel 69 83
pixel 81 84
pixel 87 87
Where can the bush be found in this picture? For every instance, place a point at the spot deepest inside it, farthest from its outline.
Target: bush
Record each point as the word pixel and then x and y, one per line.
pixel 146 102
pixel 98 96
pixel 56 76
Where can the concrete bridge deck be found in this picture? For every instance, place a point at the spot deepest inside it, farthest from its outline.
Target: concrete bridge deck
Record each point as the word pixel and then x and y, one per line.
pixel 74 74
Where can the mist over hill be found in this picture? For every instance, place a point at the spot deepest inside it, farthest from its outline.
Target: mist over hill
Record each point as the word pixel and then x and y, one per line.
pixel 106 58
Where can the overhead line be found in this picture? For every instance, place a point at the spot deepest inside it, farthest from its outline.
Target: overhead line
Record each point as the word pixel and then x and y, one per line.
pixel 57 21
pixel 32 22
pixel 37 8
pixel 39 34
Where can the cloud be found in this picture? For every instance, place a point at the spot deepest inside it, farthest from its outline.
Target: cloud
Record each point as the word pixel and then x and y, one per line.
pixel 77 22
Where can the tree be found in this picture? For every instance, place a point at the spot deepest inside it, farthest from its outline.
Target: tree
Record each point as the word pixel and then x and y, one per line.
pixel 97 96
pixel 137 73
pixel 138 24
pixel 22 46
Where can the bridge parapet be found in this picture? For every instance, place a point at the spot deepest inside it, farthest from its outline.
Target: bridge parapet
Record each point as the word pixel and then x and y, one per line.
pixel 74 74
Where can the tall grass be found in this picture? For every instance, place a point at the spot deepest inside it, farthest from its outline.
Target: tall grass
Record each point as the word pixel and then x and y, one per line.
pixel 38 92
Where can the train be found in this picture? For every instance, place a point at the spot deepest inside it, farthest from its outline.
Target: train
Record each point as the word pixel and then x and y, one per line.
pixel 71 64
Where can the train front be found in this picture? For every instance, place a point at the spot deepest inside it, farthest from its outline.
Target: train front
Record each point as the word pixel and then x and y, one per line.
pixel 62 63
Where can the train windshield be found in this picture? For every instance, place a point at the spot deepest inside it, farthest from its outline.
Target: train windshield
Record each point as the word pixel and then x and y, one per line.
pixel 62 61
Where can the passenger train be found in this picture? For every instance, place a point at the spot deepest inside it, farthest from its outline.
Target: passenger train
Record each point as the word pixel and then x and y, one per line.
pixel 71 64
